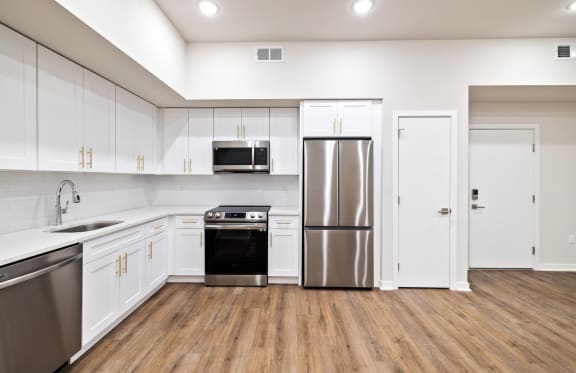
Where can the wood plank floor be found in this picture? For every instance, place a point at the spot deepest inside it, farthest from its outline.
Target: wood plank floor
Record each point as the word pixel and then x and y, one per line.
pixel 515 321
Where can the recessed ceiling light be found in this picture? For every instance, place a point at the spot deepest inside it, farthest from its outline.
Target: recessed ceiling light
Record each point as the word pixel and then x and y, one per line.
pixel 572 6
pixel 363 6
pixel 207 7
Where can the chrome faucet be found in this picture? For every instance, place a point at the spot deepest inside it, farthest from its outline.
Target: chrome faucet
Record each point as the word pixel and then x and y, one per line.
pixel 75 199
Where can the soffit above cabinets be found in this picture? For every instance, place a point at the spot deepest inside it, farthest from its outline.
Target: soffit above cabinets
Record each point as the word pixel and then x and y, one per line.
pixel 334 20
pixel 523 93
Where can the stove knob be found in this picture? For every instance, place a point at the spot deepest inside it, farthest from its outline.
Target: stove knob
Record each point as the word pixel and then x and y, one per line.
pixel 261 216
pixel 210 214
pixel 252 216
pixel 217 215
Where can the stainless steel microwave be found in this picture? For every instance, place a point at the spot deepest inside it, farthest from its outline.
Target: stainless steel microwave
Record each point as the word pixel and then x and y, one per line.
pixel 241 156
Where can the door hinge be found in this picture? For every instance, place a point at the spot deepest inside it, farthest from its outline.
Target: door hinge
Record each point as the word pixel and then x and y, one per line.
pixel 533 198
pixel 533 148
pixel 533 250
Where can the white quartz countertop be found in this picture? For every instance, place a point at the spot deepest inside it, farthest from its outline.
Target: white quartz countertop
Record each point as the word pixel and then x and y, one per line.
pixel 283 210
pixel 25 244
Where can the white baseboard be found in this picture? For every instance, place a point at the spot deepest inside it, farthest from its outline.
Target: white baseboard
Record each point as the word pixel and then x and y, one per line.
pixel 186 279
pixel 387 285
pixel 556 267
pixel 462 286
pixel 282 280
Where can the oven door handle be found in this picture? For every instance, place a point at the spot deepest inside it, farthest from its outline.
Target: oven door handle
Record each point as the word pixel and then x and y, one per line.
pixel 237 227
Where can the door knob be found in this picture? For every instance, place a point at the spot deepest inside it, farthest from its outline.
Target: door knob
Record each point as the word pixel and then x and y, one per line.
pixel 476 206
pixel 445 211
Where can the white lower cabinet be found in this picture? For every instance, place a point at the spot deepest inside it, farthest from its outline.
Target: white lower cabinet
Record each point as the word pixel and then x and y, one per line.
pixel 189 252
pixel 157 260
pixel 120 270
pixel 100 295
pixel 283 248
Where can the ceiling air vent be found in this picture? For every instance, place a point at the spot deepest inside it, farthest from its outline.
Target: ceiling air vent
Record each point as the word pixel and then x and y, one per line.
pixel 269 54
pixel 563 52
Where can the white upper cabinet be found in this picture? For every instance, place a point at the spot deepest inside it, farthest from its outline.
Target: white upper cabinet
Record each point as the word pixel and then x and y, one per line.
pixel 175 123
pixel 135 134
pixel 227 124
pixel 17 101
pixel 146 137
pixel 355 119
pixel 201 132
pixel 237 124
pixel 337 119
pixel 188 137
pixel 320 119
pixel 59 113
pixel 255 124
pixel 283 141
pixel 99 124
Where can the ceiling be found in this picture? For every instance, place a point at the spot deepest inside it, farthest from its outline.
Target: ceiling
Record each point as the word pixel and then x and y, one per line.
pixel 333 20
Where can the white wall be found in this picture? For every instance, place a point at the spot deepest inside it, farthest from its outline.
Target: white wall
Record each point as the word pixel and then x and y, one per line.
pixel 406 75
pixel 27 199
pixel 141 30
pixel 225 189
pixel 557 170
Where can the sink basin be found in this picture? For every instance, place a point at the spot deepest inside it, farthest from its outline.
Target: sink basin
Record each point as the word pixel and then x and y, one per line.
pixel 87 227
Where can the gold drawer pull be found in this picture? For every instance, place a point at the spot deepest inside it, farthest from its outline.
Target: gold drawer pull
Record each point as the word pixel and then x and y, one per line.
pixel 190 221
pixel 125 262
pixel 283 222
pixel 150 250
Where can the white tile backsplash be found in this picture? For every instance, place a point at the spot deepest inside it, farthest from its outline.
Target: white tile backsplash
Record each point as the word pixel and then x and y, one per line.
pixel 27 199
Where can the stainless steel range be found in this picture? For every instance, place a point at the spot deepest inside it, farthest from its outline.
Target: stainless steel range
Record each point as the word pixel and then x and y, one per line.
pixel 236 250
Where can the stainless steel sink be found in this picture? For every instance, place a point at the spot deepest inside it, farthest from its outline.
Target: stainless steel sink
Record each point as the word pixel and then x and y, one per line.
pixel 87 227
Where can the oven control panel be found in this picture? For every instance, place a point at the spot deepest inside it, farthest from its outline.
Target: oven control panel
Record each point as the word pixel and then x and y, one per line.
pixel 223 215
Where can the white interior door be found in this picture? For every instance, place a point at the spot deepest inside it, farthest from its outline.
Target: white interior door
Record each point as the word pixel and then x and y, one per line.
pixel 502 217
pixel 424 206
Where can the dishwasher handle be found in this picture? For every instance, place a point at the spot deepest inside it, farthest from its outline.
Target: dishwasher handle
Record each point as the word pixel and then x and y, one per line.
pixel 40 272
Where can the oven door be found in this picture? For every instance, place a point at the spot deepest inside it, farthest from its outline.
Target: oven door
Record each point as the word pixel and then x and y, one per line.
pixel 236 249
pixel 232 156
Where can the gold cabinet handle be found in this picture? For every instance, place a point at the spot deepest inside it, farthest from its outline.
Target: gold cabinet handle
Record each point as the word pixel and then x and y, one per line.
pixel 340 126
pixel 138 163
pixel 243 131
pixel 238 131
pixel 334 127
pixel 143 164
pixel 201 241
pixel 118 269
pixel 184 165
pixel 283 222
pixel 272 165
pixel 82 157
pixel 90 157
pixel 150 250
pixel 270 240
pixel 190 165
pixel 189 221
pixel 125 262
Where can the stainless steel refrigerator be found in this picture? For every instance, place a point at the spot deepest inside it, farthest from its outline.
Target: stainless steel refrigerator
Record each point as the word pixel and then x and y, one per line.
pixel 338 213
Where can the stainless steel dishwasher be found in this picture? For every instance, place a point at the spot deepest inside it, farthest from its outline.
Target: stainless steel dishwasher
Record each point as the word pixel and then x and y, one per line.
pixel 41 311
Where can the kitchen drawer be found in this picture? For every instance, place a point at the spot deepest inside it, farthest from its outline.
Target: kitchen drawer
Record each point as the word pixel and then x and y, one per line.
pixel 156 226
pixel 102 246
pixel 189 221
pixel 283 222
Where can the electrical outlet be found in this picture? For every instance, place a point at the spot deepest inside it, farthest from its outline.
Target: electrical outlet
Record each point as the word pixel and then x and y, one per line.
pixel 572 239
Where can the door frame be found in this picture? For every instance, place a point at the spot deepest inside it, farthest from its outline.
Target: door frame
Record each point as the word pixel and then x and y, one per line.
pixel 536 219
pixel 453 188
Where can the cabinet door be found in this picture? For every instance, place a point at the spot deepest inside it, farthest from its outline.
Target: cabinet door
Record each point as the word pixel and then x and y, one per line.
pixel 146 136
pixel 59 113
pixel 156 260
pixel 284 141
pixel 283 253
pixel 17 101
pixel 355 119
pixel 99 123
pixel 201 130
pixel 127 119
pixel 132 281
pixel 255 124
pixel 227 124
pixel 189 252
pixel 320 119
pixel 100 295
pixel 175 141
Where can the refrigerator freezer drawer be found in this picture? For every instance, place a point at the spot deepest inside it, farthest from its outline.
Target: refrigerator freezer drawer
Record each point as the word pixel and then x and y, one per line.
pixel 338 258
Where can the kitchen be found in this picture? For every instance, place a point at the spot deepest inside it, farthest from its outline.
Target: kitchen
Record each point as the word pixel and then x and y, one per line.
pixel 170 185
